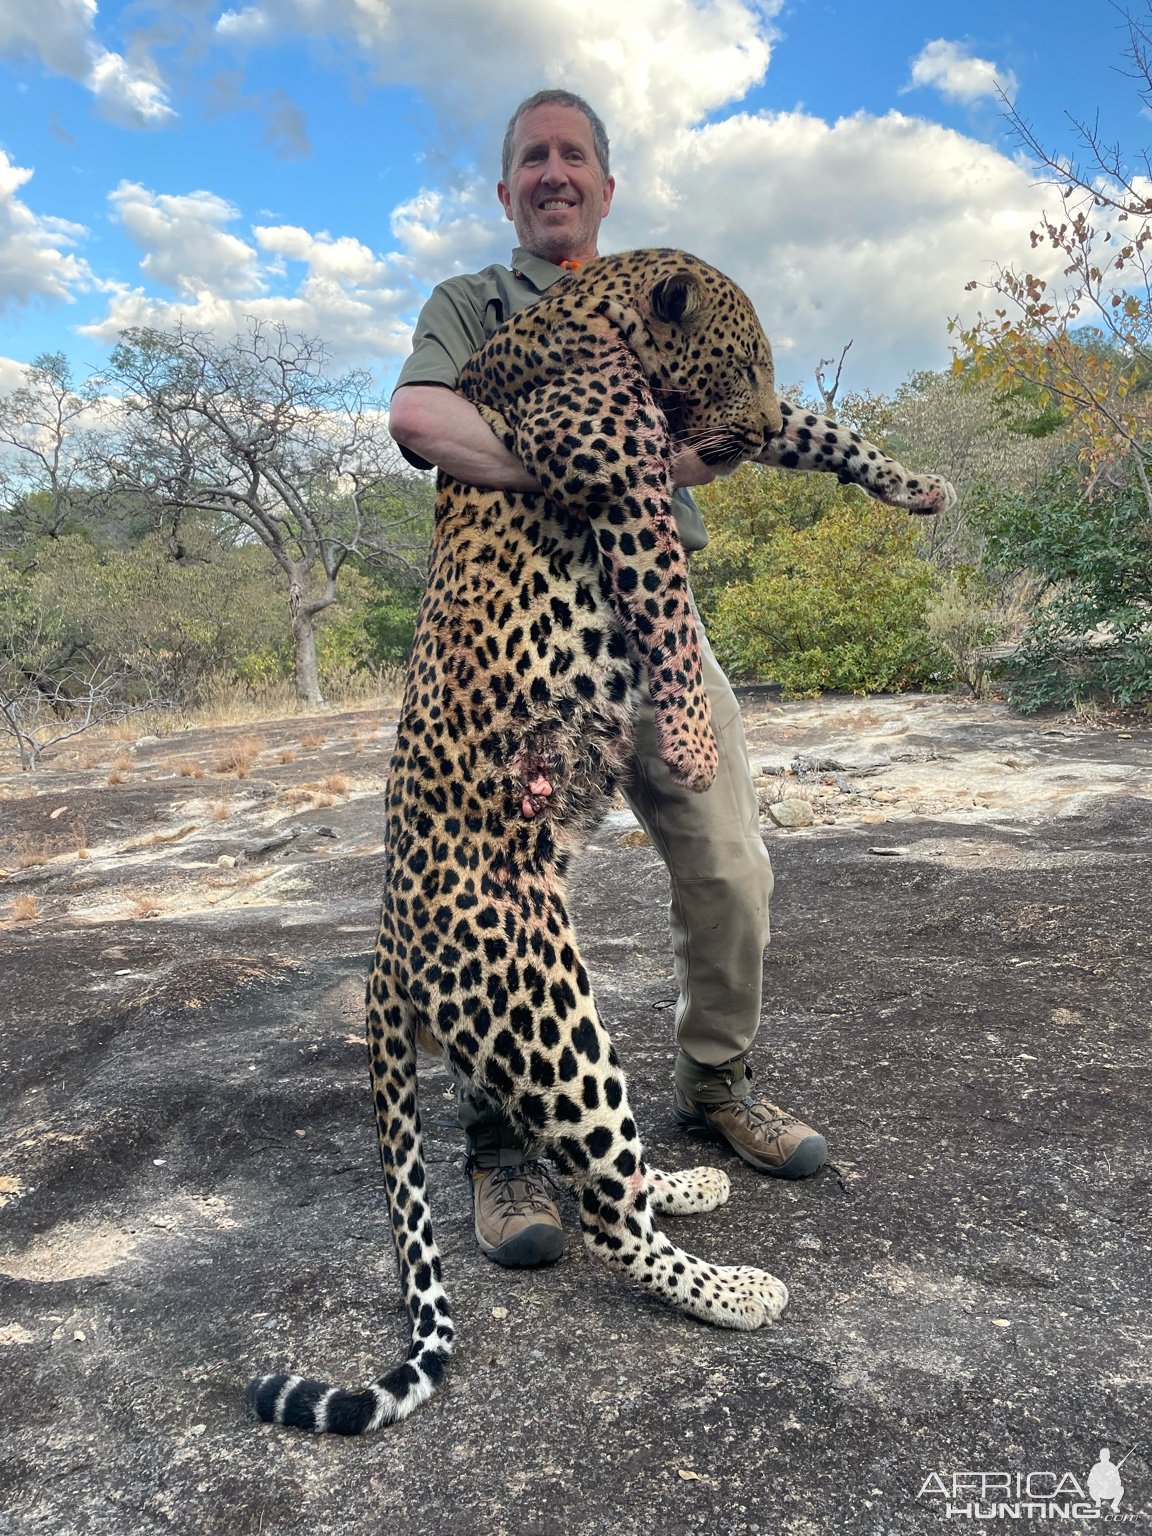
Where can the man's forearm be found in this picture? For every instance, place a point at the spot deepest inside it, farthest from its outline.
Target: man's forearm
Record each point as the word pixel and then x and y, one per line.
pixel 449 432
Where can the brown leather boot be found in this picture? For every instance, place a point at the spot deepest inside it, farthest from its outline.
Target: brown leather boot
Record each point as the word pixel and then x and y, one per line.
pixel 517 1223
pixel 764 1135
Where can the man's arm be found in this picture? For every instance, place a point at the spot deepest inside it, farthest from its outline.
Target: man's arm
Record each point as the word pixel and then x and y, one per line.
pixel 449 431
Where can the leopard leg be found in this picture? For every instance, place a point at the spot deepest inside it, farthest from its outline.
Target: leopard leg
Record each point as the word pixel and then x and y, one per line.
pixel 579 1114
pixel 813 443
pixel 315 1405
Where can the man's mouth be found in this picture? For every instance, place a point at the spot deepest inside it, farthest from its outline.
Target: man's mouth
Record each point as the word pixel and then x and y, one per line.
pixel 551 204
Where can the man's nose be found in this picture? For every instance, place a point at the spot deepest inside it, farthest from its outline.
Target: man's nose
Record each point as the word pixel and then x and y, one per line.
pixel 555 172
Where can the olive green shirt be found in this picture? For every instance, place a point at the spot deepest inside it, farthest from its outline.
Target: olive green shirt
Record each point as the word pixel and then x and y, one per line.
pixel 463 312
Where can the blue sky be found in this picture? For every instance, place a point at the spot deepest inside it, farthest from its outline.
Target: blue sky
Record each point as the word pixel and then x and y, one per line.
pixel 848 162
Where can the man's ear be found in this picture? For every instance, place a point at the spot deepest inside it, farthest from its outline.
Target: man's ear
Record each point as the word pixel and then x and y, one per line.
pixel 505 197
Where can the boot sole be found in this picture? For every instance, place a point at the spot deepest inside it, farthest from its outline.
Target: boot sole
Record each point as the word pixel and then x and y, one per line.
pixel 530 1249
pixel 807 1159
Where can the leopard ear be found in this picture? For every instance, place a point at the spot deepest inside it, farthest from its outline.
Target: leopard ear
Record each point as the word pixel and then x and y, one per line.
pixel 676 298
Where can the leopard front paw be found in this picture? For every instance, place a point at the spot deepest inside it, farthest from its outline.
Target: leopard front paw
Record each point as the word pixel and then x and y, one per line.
pixel 929 494
pixel 924 495
pixel 689 751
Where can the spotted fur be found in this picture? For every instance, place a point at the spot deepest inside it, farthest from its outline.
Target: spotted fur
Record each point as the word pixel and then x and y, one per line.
pixel 544 615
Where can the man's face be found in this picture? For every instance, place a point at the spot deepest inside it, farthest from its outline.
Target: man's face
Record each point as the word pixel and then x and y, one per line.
pixel 557 194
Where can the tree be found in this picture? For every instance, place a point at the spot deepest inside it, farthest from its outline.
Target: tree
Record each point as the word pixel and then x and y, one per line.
pixel 45 474
pixel 53 685
pixel 1075 348
pixel 1081 339
pixel 256 429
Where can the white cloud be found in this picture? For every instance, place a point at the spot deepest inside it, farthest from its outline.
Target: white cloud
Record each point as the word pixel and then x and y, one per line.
pixel 61 34
pixel 332 287
pixel 185 244
pixel 956 73
pixel 866 228
pixel 37 259
pixel 11 374
pixel 649 61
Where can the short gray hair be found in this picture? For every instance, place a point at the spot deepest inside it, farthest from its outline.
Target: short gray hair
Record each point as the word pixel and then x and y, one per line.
pixel 555 99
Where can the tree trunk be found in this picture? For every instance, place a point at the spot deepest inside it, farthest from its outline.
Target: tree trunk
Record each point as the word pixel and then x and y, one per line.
pixel 307 670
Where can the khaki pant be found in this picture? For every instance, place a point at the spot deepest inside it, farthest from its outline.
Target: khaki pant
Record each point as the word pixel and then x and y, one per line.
pixel 721 881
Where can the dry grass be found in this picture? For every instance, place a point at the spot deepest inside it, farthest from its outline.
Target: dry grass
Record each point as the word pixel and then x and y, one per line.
pixel 287 755
pixel 334 784
pixel 124 762
pixel 80 839
pixel 312 739
pixel 25 908
pixel 116 777
pixel 187 770
pixel 220 811
pixel 238 756
pixel 145 907
pixel 32 855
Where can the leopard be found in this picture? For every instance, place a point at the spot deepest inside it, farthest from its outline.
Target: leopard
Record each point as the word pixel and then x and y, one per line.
pixel 545 614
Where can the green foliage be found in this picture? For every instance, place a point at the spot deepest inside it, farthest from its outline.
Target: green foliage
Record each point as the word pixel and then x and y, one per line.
pixel 390 622
pixel 818 587
pixel 1091 635
pixel 964 618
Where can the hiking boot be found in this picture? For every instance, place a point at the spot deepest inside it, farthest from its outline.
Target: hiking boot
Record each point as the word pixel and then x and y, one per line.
pixel 763 1134
pixel 517 1223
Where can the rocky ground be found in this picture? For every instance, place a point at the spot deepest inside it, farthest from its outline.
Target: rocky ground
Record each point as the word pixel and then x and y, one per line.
pixel 958 990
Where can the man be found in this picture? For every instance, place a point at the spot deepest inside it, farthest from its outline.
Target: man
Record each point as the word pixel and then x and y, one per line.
pixel 556 189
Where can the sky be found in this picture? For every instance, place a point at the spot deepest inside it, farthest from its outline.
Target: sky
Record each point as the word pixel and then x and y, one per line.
pixel 324 163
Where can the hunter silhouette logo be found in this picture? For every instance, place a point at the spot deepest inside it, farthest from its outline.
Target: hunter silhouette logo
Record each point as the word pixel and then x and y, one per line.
pixel 1104 1483
pixel 1040 1495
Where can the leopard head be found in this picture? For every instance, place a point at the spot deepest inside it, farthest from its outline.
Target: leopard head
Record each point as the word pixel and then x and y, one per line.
pixel 705 354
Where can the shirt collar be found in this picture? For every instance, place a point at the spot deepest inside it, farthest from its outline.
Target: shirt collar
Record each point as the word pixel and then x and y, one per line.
pixel 540 273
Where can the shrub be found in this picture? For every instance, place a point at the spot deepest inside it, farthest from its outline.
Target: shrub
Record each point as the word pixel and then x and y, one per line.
pixel 834 602
pixel 1090 634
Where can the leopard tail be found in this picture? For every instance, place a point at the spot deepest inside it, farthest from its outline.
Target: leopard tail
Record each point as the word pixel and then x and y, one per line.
pixel 314 1405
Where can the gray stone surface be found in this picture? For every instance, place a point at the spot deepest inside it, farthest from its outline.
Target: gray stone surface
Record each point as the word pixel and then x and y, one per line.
pixel 191 1190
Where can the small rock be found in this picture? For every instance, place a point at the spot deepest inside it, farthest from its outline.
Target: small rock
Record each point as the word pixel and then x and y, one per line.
pixel 226 861
pixel 791 813
pixel 637 838
pixel 772 770
pixel 325 831
pixel 812 762
pixel 883 797
pixel 145 741
pixel 893 851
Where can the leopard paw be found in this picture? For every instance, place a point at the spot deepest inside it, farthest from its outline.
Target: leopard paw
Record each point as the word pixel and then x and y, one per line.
pixel 690 754
pixel 687 1192
pixel 929 494
pixel 744 1298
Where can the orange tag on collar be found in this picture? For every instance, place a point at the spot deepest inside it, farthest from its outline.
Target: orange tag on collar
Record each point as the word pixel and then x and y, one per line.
pixel 571 266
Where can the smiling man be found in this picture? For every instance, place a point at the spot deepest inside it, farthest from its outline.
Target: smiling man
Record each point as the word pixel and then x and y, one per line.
pixel 556 189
